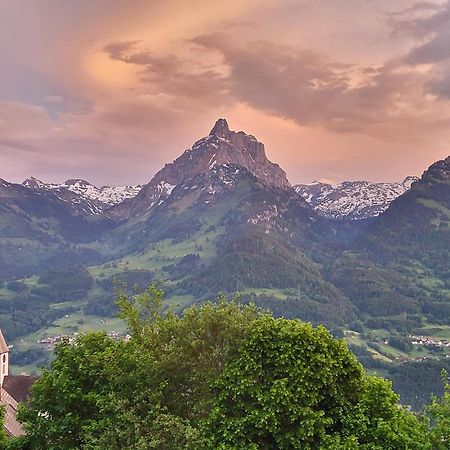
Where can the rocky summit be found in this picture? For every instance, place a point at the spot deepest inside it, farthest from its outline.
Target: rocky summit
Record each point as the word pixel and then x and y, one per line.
pixel 221 146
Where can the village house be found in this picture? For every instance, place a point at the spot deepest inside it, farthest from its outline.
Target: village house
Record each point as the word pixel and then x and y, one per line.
pixel 13 390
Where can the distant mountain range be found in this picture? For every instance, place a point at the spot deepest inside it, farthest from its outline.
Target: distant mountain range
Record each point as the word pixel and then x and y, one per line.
pixel 353 199
pixel 222 217
pixel 84 197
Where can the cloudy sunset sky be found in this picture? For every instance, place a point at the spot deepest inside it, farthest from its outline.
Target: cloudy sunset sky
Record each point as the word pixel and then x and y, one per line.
pixel 110 90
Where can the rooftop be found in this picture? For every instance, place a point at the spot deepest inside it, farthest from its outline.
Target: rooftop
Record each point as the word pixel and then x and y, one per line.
pixel 18 386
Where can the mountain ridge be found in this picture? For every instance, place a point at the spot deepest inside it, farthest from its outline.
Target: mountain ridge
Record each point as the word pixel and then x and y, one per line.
pixel 349 200
pixel 206 225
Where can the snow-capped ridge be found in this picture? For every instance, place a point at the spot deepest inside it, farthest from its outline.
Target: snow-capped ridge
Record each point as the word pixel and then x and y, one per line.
pixel 84 196
pixel 353 199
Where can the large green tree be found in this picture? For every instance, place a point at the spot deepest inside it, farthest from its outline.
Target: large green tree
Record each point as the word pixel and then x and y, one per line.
pixel 66 399
pixel 296 387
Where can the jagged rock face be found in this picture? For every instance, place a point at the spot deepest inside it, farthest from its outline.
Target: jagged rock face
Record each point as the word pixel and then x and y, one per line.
pixel 207 188
pixel 220 147
pixel 440 170
pixel 353 199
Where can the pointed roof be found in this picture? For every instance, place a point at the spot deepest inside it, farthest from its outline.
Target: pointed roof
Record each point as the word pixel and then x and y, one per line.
pixel 3 345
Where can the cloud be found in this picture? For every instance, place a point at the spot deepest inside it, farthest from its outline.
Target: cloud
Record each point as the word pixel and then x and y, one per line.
pixel 432 47
pixel 435 50
pixel 311 89
pixel 180 78
pixel 406 20
pixel 287 81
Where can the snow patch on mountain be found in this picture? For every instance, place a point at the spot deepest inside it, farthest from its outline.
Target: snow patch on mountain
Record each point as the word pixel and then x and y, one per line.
pixel 93 199
pixel 352 200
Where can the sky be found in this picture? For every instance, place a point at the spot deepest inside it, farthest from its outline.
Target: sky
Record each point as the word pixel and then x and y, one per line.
pixel 111 90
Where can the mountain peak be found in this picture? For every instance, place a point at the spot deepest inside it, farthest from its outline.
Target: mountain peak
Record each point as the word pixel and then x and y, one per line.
pixel 220 129
pixel 221 147
pixel 33 183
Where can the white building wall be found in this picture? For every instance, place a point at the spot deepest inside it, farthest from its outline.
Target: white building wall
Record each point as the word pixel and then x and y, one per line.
pixel 4 366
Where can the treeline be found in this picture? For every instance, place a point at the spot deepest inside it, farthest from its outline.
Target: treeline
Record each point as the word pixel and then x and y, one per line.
pixel 222 376
pixel 28 310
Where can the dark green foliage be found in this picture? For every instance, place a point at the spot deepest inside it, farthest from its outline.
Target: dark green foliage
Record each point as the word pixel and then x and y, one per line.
pixel 256 260
pixel 411 227
pixel 29 311
pixel 65 283
pixel 69 393
pixel 103 306
pixel 439 413
pixel 416 382
pixel 17 286
pixel 184 267
pixel 37 356
pixel 223 376
pixel 251 258
pixel 296 387
pixel 156 386
pixel 328 313
pixel 128 280
pixel 366 358
pixel 401 342
pixel 291 387
pixel 3 439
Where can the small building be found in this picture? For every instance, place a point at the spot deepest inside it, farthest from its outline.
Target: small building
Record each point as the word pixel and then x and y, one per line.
pixel 13 390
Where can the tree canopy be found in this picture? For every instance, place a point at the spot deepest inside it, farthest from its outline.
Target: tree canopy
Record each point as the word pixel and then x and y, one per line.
pixel 296 387
pixel 222 376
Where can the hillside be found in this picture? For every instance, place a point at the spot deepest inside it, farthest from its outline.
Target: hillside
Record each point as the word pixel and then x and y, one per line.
pixel 39 230
pixel 231 222
pixel 401 262
pixel 417 225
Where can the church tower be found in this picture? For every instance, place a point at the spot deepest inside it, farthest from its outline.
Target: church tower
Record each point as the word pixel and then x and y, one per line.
pixel 4 358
